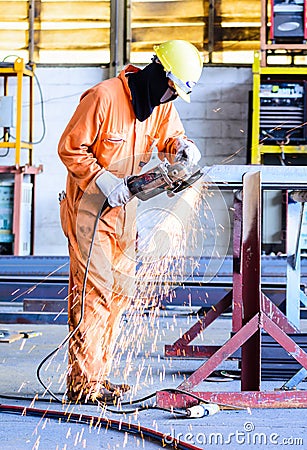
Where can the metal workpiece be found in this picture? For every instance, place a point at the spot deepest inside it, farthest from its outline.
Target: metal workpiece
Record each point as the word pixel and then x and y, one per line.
pixel 272 177
pixel 253 313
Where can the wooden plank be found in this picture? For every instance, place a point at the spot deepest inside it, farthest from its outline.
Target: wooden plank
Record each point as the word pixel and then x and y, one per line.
pixel 16 39
pixel 152 35
pixel 152 22
pixel 225 10
pixel 61 11
pixel 245 10
pixel 221 47
pixel 172 9
pixel 13 11
pixel 74 39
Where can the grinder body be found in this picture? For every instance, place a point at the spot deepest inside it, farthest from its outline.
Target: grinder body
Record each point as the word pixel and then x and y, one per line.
pixel 164 177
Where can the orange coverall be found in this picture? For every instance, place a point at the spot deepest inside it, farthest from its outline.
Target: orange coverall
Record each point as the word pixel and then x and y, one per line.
pixel 104 134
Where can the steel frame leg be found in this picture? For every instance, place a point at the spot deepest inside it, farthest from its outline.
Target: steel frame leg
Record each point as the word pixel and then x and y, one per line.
pixel 257 315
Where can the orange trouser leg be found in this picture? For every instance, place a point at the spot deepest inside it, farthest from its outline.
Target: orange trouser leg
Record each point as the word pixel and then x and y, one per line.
pixel 109 290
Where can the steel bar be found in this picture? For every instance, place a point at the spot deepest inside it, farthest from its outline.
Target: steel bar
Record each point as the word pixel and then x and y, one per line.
pixel 44 305
pixel 221 354
pixel 272 177
pixel 251 279
pixel 44 266
pixel 273 268
pixel 17 291
pixel 204 322
pixel 237 306
pixel 190 351
pixel 245 399
pixel 276 315
pixel 42 318
pixel 284 340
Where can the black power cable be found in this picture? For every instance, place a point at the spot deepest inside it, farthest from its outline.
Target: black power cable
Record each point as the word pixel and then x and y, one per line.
pixel 72 333
pixel 95 421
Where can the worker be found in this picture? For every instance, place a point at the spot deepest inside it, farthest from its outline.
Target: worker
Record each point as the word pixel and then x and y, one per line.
pixel 110 136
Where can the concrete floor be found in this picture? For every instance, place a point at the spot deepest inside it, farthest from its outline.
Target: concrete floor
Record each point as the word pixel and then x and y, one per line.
pixel 149 371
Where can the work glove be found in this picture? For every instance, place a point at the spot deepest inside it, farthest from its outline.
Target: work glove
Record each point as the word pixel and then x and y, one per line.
pixel 115 189
pixel 187 151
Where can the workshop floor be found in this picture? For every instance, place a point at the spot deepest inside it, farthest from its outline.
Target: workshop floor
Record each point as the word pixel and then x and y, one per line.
pixel 228 429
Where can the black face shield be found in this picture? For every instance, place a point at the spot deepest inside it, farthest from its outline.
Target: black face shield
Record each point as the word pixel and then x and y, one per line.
pixel 149 88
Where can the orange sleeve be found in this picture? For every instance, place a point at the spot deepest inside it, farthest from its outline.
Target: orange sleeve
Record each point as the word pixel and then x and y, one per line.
pixel 170 129
pixel 74 147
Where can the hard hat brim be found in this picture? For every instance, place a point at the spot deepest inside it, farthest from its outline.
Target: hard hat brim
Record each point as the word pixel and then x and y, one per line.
pixel 182 94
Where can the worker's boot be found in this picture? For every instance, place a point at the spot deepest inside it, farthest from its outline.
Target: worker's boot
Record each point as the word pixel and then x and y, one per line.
pixel 90 396
pixel 113 387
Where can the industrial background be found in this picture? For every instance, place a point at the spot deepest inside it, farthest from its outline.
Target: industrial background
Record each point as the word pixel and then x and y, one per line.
pixel 70 44
pixel 247 115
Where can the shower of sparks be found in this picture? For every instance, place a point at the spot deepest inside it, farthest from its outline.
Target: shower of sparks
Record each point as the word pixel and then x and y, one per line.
pixel 32 288
pixel 32 348
pixel 168 240
pixel 162 254
pixel 23 343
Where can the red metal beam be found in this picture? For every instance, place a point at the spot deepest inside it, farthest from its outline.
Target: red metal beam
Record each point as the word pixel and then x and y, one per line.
pixel 251 279
pixel 202 323
pixel 191 351
pixel 251 307
pixel 245 399
pixel 18 180
pixel 237 305
pixel 277 315
pixel 221 354
pixel 284 340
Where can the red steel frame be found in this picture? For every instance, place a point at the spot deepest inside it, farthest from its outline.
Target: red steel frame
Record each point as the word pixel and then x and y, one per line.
pixel 272 19
pixel 18 173
pixel 252 312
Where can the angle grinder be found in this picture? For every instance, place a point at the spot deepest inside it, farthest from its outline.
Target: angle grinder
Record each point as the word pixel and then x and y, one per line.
pixel 165 177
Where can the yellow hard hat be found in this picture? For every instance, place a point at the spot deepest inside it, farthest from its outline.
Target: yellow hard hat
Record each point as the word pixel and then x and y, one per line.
pixel 182 63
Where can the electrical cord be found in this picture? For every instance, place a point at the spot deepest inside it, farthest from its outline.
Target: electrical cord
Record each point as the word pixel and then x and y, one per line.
pixel 5 154
pixel 42 115
pixel 42 399
pixel 42 108
pixel 73 332
pixel 175 411
pixel 97 421
pixel 42 112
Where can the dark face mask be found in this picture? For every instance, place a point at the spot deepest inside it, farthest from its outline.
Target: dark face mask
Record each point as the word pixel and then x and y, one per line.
pixel 149 88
